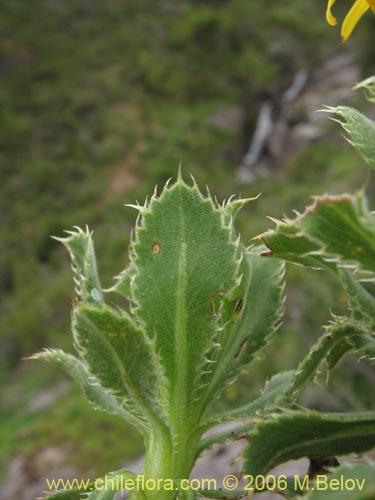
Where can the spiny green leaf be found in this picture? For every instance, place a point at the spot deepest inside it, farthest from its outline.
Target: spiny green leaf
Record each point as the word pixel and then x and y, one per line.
pixel 185 256
pixel 93 392
pixel 81 249
pixel 360 129
pixel 295 435
pixel 258 319
pixel 361 476
pixel 227 311
pixel 120 356
pixel 344 226
pixel 335 229
pixel 264 305
pixel 200 309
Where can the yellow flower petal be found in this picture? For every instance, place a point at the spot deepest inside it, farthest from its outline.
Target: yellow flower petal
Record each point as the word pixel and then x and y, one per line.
pixel 353 16
pixel 330 18
pixel 372 5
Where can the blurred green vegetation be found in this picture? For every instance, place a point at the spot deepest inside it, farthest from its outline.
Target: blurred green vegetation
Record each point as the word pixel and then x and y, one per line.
pixel 100 101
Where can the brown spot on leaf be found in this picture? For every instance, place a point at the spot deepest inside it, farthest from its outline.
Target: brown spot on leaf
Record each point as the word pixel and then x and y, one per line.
pixel 156 248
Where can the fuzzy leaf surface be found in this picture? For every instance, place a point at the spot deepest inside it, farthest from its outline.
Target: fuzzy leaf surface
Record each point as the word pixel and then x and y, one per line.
pixel 264 305
pixel 345 228
pixel 333 229
pixel 296 435
pixel 256 323
pixel 81 249
pixel 120 356
pixel 93 392
pixel 185 256
pixel 288 242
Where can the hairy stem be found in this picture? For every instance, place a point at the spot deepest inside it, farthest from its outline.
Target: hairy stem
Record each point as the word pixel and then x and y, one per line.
pixel 310 364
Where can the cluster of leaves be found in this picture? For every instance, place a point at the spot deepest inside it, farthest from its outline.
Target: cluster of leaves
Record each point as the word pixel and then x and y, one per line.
pixel 107 83
pixel 335 235
pixel 87 116
pixel 201 306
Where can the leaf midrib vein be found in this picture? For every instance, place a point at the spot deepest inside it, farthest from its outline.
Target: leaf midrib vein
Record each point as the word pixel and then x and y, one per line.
pixel 181 326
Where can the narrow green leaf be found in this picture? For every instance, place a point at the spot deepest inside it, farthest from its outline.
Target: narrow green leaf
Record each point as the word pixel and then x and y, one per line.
pixel 295 435
pixel 257 321
pixel 91 389
pixel 264 305
pixel 348 482
pixel 86 278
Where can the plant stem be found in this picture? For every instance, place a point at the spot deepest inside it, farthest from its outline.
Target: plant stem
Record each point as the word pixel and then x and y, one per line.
pixel 168 460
